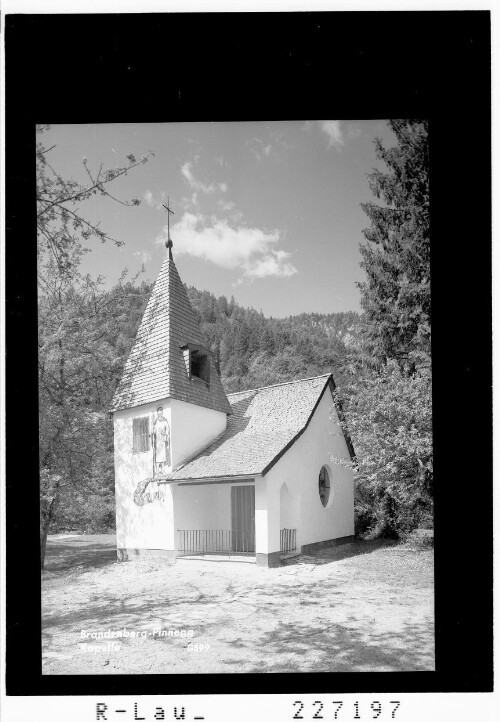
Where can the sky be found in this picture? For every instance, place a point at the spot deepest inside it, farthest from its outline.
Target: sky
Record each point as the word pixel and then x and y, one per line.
pixel 267 212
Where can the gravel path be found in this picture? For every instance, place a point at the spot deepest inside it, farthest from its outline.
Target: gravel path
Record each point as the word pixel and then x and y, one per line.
pixel 366 606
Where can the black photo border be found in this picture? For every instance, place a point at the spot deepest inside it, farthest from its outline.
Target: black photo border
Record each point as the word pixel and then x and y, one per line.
pixel 274 66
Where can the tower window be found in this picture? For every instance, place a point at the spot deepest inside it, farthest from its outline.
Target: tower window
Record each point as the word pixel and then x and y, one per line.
pixel 200 366
pixel 140 430
pixel 197 360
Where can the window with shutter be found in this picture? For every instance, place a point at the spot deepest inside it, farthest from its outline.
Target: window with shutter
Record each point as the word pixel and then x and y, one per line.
pixel 140 434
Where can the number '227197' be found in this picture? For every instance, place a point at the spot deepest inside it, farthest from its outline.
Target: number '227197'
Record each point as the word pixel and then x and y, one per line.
pixel 322 712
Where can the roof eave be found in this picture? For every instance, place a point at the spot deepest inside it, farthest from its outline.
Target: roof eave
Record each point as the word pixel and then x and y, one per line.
pixel 215 479
pixel 329 383
pixel 124 406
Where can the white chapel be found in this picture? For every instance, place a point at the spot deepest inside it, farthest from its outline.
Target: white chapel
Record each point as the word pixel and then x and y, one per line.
pixel 201 472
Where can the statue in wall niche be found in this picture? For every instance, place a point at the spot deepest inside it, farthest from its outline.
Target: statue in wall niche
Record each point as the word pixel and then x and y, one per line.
pixel 161 443
pixel 151 489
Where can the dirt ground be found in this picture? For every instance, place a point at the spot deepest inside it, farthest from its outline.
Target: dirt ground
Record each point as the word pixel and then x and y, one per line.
pixel 367 606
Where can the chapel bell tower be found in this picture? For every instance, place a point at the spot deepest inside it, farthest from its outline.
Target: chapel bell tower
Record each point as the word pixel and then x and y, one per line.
pixel 170 402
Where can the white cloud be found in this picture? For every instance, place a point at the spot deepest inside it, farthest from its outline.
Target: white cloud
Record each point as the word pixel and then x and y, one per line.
pixel 197 185
pixel 333 131
pixel 279 138
pixel 187 203
pixel 236 216
pixel 250 250
pixel 226 205
pixel 152 201
pixel 143 256
pixel 259 148
pixel 353 130
pixel 274 263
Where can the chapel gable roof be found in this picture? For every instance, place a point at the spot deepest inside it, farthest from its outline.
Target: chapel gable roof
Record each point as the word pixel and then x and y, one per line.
pixel 156 367
pixel 264 424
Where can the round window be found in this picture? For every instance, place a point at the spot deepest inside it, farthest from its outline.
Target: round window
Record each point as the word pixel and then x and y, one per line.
pixel 324 485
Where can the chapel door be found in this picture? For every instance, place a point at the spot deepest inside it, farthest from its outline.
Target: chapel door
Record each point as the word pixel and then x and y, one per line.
pixel 243 518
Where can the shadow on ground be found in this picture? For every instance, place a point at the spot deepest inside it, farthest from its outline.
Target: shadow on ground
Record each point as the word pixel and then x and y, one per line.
pixel 357 616
pixel 337 554
pixel 93 552
pixel 65 553
pixel 341 648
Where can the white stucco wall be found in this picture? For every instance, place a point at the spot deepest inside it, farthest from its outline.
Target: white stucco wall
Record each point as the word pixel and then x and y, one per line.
pixel 139 527
pixel 262 518
pixel 290 514
pixel 153 526
pixel 192 428
pixel 207 506
pixel 299 468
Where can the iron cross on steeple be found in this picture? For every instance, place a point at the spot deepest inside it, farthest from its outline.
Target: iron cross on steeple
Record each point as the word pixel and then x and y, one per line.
pixel 169 243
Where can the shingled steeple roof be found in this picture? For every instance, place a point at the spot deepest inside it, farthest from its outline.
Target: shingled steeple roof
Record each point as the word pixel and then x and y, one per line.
pixel 156 368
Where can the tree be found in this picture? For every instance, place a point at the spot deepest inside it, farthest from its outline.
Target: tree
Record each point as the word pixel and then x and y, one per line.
pixel 60 225
pixel 74 366
pixel 389 417
pixel 76 362
pixel 387 392
pixel 396 255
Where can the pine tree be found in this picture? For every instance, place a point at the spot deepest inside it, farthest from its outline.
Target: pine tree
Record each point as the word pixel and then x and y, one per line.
pixel 396 256
pixel 387 384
